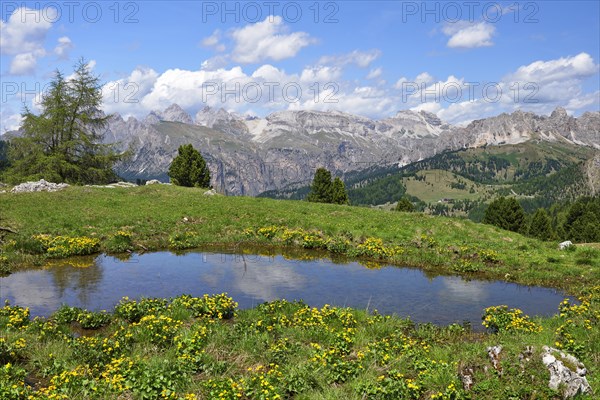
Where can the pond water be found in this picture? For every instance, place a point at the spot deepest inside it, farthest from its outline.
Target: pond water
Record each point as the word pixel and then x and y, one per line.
pixel 100 282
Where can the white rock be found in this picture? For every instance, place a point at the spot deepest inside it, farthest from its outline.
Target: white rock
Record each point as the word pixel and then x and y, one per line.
pixel 154 182
pixel 39 186
pixel 210 192
pixel 574 382
pixel 564 245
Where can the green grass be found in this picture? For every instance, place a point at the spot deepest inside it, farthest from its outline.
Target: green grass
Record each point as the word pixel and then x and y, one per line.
pixel 162 217
pixel 189 348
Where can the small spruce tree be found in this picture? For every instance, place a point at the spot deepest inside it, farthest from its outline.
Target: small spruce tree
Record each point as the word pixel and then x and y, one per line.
pixel 505 213
pixel 405 205
pixel 540 225
pixel 339 196
pixel 321 190
pixel 189 168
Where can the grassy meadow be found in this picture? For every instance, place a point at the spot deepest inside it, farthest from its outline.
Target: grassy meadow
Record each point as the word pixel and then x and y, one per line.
pixel 197 348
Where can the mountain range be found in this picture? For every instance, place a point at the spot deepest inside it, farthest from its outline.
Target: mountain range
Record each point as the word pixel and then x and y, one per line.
pixel 248 155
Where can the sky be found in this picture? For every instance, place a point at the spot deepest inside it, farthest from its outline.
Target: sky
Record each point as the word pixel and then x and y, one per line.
pixel 462 60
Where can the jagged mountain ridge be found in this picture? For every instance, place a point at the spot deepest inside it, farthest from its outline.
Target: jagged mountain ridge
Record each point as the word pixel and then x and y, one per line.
pixel 248 156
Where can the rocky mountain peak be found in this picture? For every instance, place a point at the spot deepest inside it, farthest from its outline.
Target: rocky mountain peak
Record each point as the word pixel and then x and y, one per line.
pixel 559 112
pixel 174 113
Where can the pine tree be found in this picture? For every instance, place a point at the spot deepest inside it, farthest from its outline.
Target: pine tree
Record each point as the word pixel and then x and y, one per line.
pixel 64 142
pixel 582 223
pixel 339 195
pixel 405 205
pixel 189 168
pixel 540 226
pixel 505 213
pixel 321 190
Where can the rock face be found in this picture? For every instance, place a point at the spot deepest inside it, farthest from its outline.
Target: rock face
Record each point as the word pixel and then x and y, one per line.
pixel 39 186
pixel 573 382
pixel 247 156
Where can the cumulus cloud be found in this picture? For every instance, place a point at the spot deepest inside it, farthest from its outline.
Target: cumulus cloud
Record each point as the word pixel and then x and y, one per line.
pixel 64 46
pixel 324 87
pixel 375 73
pixel 267 40
pixel 23 36
pixel 565 68
pixel 25 31
pixel 23 64
pixel 464 34
pixel 124 95
pixel 214 41
pixel 10 122
pixel 360 58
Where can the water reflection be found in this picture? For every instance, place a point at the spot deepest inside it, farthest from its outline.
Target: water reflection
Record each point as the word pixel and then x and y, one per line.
pixel 253 279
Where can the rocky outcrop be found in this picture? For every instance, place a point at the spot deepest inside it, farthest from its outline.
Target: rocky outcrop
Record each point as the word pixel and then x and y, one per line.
pixel 571 379
pixel 39 186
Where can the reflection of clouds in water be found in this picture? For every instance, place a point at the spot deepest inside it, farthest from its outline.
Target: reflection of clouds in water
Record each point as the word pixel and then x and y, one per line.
pixel 31 289
pixel 262 282
pixel 259 277
pixel 457 290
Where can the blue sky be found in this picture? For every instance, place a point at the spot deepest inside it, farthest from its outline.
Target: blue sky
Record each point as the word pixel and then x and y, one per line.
pixel 460 60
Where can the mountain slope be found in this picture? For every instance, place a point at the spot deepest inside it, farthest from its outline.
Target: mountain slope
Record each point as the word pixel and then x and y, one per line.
pixel 537 172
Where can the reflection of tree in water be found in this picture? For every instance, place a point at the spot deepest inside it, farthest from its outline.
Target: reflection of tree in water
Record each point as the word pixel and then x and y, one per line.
pixel 80 274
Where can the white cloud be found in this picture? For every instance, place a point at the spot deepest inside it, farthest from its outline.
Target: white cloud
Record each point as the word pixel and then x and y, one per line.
pixel 424 78
pixel 25 31
pixel 321 74
pixel 375 73
pixel 360 58
pixel 431 107
pixel 214 41
pixel 64 46
pixel 267 40
pixel 189 89
pixel 399 83
pixel 11 123
pixel 23 64
pixel 585 100
pixel 23 36
pixel 464 34
pixel 421 80
pixel 124 95
pixel 565 68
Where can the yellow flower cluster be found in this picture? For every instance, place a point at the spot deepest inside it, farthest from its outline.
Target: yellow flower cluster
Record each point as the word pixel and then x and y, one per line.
pixel 13 317
pixel 373 248
pixel 183 240
pixel 64 246
pixel 500 318
pixel 159 329
pixel 583 316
